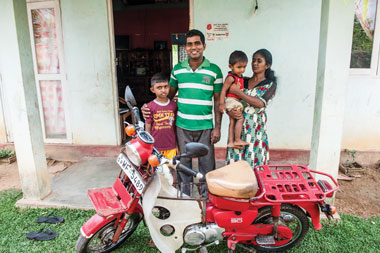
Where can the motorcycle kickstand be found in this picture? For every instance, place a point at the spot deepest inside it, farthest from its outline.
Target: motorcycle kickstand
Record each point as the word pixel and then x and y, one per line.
pixel 245 247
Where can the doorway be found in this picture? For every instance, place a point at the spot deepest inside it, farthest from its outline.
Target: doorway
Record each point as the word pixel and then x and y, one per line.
pixel 148 35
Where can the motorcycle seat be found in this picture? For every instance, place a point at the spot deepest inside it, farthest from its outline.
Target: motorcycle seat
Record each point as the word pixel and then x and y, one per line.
pixel 236 180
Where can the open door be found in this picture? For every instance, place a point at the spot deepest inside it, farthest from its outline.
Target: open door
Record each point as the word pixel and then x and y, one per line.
pixel 148 37
pixel 143 40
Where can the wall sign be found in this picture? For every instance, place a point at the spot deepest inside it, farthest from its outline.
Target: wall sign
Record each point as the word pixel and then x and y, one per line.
pixel 218 31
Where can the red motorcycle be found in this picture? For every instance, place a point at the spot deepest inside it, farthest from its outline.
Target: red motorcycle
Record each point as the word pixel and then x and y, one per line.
pixel 266 208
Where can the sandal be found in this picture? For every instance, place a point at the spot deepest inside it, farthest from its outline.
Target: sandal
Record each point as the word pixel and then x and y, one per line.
pixel 43 234
pixel 51 218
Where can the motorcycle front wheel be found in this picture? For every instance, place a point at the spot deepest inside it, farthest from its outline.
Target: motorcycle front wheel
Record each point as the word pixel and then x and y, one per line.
pixel 292 217
pixel 101 241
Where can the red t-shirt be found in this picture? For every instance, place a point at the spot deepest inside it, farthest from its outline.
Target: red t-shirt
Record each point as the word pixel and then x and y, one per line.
pixel 238 80
pixel 162 117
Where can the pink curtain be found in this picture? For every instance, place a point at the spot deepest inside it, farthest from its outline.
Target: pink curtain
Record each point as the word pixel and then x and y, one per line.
pixel 53 111
pixel 47 58
pixel 45 39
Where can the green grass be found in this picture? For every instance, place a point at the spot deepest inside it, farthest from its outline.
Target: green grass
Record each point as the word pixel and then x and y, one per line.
pixel 352 234
pixel 16 223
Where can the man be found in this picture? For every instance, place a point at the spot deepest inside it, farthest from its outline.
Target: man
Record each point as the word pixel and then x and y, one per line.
pixel 198 82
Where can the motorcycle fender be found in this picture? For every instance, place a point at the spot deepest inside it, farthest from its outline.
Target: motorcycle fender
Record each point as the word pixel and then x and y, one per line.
pixel 95 223
pixel 313 210
pixel 182 214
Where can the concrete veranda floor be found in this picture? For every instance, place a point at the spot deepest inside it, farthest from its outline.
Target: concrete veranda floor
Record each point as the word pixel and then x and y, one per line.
pixel 69 188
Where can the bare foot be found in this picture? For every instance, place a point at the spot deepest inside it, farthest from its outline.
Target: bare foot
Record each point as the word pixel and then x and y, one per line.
pixel 232 145
pixel 241 143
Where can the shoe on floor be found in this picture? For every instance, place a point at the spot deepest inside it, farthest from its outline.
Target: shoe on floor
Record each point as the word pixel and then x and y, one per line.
pixel 44 234
pixel 51 218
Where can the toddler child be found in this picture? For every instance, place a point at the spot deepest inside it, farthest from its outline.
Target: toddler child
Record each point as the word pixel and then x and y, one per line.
pixel 237 63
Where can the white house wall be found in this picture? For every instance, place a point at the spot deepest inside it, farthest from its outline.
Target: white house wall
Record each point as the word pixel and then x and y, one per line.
pixel 3 132
pixel 290 30
pixel 91 99
pixel 89 76
pixel 361 129
pixel 8 61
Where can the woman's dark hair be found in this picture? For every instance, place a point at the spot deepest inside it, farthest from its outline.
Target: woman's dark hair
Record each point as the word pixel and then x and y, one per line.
pixel 269 73
pixel 237 56
pixel 195 32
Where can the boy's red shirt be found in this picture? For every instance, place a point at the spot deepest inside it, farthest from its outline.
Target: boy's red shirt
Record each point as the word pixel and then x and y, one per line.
pixel 239 80
pixel 162 117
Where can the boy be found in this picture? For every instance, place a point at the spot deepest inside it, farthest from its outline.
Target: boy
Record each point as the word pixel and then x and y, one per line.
pixel 161 122
pixel 237 63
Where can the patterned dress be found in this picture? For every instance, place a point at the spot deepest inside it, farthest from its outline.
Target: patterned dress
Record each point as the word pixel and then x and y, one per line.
pixel 254 127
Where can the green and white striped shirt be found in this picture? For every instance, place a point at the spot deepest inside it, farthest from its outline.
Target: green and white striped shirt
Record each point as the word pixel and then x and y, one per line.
pixel 195 93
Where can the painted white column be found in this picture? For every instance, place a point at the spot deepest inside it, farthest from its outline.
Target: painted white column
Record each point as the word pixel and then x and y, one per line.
pixel 335 41
pixel 18 76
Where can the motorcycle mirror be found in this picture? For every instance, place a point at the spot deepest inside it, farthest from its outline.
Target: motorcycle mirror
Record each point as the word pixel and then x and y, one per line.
pixel 194 149
pixel 128 96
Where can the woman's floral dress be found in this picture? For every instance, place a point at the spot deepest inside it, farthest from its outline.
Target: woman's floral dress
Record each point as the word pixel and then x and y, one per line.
pixel 254 127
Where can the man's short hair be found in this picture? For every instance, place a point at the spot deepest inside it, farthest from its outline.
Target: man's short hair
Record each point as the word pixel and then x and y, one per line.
pixel 237 56
pixel 195 32
pixel 159 78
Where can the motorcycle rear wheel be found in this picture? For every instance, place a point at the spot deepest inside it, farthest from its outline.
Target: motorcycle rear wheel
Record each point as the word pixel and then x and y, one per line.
pixel 292 217
pixel 101 241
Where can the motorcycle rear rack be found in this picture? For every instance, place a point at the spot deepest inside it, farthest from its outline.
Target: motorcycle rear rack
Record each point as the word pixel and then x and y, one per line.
pixel 290 183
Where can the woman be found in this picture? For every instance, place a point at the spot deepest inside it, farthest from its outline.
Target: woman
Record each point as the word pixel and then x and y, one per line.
pixel 259 90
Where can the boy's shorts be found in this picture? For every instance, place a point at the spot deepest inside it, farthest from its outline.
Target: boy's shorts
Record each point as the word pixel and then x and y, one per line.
pixel 232 103
pixel 169 153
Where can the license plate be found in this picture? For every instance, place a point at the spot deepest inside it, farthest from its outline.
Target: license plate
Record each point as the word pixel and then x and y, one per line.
pixel 131 172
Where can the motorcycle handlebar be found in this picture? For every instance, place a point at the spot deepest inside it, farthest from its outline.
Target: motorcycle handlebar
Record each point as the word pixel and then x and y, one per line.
pixel 136 114
pixel 135 111
pixel 188 171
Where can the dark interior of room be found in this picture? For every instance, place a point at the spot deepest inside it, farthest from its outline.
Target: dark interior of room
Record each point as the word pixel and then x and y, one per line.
pixel 143 41
pixel 149 38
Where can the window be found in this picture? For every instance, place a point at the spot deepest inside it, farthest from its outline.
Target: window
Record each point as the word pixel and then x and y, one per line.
pixel 365 40
pixel 46 38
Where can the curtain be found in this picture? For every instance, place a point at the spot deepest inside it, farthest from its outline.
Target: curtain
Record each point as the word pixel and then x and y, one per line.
pixel 47 59
pixel 365 11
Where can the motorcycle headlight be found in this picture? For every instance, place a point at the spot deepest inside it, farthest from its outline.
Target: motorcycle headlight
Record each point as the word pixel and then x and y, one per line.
pixel 132 154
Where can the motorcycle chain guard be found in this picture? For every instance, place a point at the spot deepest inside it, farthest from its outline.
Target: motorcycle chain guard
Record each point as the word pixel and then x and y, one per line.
pixel 249 235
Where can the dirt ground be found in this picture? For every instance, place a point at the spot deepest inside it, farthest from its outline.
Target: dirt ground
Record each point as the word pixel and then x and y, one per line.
pixel 361 196
pixel 9 177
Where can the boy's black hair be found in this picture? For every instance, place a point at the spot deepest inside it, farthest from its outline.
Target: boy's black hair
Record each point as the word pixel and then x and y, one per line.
pixel 195 32
pixel 237 56
pixel 159 78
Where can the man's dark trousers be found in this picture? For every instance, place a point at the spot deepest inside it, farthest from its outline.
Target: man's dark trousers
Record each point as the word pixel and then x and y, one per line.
pixel 205 163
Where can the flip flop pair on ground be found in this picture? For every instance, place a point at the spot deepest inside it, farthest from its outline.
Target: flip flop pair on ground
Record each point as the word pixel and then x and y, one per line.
pixel 45 234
